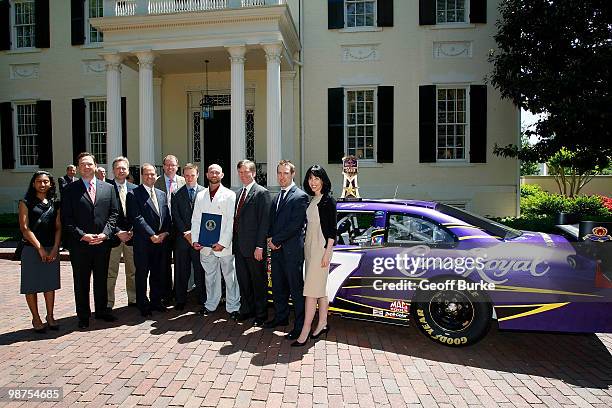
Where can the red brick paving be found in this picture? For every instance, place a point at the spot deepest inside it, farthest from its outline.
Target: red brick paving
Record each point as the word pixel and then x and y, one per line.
pixel 187 360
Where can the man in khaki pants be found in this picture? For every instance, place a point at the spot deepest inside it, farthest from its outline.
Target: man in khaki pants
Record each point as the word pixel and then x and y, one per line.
pixel 122 240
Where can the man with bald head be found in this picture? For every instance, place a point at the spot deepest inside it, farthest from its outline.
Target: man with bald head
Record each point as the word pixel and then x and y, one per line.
pixel 218 258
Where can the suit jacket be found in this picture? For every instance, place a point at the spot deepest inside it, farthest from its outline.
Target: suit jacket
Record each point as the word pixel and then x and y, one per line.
pixel 81 216
pixel 123 223
pixel 223 204
pixel 287 223
pixel 160 183
pixel 254 220
pixel 143 216
pixel 182 210
pixel 63 182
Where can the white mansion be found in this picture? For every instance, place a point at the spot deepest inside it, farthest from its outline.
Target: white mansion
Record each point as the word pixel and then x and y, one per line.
pixel 399 83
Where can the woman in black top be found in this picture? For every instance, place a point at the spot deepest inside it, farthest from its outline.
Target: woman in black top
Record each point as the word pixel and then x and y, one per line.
pixel 39 221
pixel 318 248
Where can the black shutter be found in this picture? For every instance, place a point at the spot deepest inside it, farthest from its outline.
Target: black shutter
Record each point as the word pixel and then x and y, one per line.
pixel 385 125
pixel 123 127
pixel 6 129
pixel 384 12
pixel 5 21
pixel 77 21
pixel 335 14
pixel 335 125
pixel 427 124
pixel 42 23
pixel 478 11
pixel 78 128
pixel 44 129
pixel 427 12
pixel 478 124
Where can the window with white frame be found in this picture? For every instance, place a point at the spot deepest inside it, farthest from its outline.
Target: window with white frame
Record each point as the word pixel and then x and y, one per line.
pixel 27 134
pixel 451 123
pixel 24 24
pixel 95 8
pixel 96 129
pixel 361 123
pixel 451 11
pixel 360 13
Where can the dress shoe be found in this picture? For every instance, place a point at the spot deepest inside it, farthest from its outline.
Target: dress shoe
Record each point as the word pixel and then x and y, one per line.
pixel 159 308
pixel 244 316
pixel 235 315
pixel 292 335
pixel 179 306
pixel 83 324
pixel 204 311
pixel 107 317
pixel 298 344
pixel 53 326
pixel 132 304
pixel 323 331
pixel 270 324
pixel 258 322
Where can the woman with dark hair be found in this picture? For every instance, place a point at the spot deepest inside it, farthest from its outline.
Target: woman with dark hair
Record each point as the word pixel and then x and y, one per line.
pixel 320 239
pixel 39 221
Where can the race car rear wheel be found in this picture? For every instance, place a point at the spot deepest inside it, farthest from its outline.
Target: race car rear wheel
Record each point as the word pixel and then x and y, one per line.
pixel 452 317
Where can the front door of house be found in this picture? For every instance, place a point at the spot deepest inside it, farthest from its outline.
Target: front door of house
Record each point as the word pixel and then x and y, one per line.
pixel 216 146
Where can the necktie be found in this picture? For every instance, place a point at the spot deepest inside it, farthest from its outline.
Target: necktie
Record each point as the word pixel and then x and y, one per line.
pixel 281 196
pixel 122 197
pixel 191 194
pixel 240 204
pixel 171 185
pixel 154 199
pixel 92 190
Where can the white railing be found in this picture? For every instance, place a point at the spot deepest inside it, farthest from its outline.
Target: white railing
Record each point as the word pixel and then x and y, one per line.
pixel 140 7
pixel 125 7
pixel 178 6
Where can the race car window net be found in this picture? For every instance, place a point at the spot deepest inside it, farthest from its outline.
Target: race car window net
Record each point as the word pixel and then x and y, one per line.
pixel 492 227
pixel 355 228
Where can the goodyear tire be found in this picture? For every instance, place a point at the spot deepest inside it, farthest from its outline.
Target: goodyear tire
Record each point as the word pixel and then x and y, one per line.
pixel 452 317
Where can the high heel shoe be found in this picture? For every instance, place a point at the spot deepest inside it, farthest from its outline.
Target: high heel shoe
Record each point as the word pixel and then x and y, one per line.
pixel 39 329
pixel 298 344
pixel 324 330
pixel 52 326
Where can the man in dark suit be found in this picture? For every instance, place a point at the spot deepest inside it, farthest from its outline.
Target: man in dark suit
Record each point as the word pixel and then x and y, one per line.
pixel 68 178
pixel 185 257
pixel 251 221
pixel 89 210
pixel 169 182
pixel 150 217
pixel 121 241
pixel 286 240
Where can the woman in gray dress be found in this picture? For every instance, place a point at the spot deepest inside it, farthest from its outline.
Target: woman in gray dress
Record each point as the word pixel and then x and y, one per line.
pixel 39 221
pixel 320 239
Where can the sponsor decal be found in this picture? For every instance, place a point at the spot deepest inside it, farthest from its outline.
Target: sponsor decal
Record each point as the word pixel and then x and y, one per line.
pixel 378 312
pixel 598 234
pixel 399 306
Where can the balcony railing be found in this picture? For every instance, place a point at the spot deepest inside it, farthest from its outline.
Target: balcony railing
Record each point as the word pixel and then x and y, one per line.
pixel 143 7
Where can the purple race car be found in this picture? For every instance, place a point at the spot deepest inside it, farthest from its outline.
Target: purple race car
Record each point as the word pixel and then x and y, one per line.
pixel 454 272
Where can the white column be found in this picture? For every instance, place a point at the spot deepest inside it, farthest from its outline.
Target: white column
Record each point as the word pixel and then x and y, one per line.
pixel 157 108
pixel 288 118
pixel 145 102
pixel 238 151
pixel 113 108
pixel 273 97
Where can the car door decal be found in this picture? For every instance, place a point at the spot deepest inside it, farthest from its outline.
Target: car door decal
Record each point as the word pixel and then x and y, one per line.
pixel 345 263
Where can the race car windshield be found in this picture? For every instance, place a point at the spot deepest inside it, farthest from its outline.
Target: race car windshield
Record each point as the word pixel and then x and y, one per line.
pixel 492 227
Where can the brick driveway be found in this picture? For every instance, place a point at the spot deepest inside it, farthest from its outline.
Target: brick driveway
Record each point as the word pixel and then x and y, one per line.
pixel 186 360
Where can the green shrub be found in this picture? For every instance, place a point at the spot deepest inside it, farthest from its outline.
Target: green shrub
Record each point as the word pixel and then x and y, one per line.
pixel 543 203
pixel 587 206
pixel 539 223
pixel 535 202
pixel 530 189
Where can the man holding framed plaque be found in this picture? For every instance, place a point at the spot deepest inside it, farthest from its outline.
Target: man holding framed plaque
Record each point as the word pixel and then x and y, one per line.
pixel 211 234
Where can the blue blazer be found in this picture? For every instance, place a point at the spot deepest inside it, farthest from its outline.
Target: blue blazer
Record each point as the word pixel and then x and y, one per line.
pixel 288 222
pixel 143 216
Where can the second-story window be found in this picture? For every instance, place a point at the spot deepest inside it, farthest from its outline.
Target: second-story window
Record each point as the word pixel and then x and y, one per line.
pixel 450 11
pixel 95 8
pixel 25 24
pixel 360 13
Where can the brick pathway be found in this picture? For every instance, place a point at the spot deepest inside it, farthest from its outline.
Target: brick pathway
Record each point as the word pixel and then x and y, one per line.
pixel 186 360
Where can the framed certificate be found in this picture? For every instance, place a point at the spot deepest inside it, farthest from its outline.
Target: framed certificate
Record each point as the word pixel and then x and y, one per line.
pixel 210 229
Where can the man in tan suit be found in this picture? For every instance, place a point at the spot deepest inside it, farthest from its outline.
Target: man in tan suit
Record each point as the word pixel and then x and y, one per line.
pixel 169 183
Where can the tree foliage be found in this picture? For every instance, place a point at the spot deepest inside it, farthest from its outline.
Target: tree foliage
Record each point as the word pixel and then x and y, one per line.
pixel 554 57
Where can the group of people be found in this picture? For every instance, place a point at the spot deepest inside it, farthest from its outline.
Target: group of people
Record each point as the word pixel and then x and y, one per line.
pixel 160 220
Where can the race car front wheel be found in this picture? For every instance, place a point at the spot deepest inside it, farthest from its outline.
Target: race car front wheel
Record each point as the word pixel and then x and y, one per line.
pixel 452 317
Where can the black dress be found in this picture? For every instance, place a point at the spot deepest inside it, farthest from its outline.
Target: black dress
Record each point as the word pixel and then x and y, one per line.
pixel 37 276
